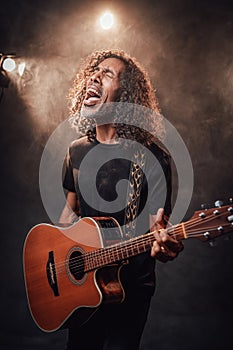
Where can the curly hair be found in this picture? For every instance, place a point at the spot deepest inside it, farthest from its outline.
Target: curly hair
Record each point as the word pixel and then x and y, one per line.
pixel 135 88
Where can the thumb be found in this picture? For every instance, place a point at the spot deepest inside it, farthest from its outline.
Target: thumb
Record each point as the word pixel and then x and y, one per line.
pixel 159 216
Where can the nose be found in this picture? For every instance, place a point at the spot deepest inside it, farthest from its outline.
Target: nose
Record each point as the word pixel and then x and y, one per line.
pixel 97 77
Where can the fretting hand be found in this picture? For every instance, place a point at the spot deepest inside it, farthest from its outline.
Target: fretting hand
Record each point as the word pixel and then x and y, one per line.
pixel 165 247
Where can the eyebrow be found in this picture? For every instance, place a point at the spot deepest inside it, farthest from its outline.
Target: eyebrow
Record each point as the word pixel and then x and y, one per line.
pixel 107 70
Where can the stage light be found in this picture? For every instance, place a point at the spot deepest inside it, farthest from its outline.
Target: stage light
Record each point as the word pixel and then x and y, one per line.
pixel 107 20
pixel 8 64
pixel 10 68
pixel 21 68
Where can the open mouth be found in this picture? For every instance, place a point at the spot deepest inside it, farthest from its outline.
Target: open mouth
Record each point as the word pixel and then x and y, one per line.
pixel 93 96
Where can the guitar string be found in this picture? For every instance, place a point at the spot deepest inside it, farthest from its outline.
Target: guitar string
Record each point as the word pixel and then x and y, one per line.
pixel 100 263
pixel 87 266
pixel 173 229
pixel 120 247
pixel 95 253
pixel 80 267
pixel 110 253
pixel 198 220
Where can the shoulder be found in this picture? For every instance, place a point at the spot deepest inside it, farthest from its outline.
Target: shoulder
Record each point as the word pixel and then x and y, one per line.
pixel 80 145
pixel 78 149
pixel 81 142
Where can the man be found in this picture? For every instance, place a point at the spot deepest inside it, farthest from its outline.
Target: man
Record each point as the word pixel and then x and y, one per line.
pixel 116 148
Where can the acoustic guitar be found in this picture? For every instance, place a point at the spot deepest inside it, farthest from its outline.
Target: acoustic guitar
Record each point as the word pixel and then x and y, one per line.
pixel 77 268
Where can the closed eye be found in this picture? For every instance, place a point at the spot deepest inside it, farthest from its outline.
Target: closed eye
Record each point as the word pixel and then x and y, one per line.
pixel 108 72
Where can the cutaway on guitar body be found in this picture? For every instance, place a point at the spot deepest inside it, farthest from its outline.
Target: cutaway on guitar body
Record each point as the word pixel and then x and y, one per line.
pixel 63 272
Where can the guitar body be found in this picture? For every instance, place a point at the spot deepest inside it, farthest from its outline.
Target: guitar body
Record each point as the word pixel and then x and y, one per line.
pixel 54 269
pixel 78 268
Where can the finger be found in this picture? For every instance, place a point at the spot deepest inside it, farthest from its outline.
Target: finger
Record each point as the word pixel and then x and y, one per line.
pixel 159 234
pixel 155 249
pixel 160 253
pixel 170 243
pixel 159 216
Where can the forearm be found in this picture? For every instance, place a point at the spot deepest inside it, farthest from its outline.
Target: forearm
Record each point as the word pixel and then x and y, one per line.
pixel 69 213
pixel 67 216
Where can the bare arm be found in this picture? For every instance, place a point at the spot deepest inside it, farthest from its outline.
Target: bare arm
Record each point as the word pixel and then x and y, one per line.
pixel 68 214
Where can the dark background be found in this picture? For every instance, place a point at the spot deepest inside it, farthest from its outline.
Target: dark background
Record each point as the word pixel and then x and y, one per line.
pixel 187 48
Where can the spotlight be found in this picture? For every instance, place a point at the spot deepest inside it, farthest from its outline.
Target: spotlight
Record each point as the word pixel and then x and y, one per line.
pixel 8 64
pixel 21 68
pixel 107 20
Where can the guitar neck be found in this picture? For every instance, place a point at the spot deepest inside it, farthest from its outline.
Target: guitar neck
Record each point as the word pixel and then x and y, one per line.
pixel 127 249
pixel 205 225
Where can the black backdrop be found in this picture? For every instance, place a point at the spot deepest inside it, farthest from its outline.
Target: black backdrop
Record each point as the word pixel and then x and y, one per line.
pixel 187 48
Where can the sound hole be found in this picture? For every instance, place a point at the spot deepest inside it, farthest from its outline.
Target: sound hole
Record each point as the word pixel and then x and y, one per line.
pixel 76 265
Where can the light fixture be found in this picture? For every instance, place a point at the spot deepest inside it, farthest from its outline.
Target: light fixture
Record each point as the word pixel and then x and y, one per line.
pixel 21 68
pixel 8 64
pixel 107 20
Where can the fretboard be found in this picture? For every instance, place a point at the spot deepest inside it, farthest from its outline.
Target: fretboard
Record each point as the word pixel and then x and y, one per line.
pixel 126 249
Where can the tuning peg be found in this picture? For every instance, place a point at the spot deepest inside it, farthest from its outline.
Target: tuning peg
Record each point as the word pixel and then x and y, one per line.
pixel 227 238
pixel 212 243
pixel 218 203
pixel 204 206
pixel 231 200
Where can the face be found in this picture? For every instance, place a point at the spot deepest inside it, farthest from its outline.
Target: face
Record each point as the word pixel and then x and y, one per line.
pixel 103 86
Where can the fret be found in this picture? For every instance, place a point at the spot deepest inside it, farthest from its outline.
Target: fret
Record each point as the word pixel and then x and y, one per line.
pixel 112 255
pixel 91 262
pixel 101 259
pixel 122 254
pixel 131 248
pixel 121 251
pixel 117 255
pixel 144 247
pixel 105 258
pixel 108 256
pixel 128 249
pixel 94 259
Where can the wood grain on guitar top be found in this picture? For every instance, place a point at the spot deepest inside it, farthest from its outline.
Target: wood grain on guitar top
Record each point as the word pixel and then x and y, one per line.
pixel 55 279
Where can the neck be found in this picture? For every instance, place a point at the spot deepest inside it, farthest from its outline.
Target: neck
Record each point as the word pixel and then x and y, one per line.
pixel 106 133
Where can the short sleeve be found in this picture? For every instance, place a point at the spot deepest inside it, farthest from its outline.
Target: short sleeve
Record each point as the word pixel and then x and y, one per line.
pixel 161 189
pixel 68 180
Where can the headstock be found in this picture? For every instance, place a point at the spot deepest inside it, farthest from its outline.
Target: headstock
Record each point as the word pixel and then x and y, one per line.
pixel 207 224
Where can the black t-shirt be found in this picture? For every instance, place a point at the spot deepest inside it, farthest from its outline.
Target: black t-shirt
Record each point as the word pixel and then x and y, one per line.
pixel 100 176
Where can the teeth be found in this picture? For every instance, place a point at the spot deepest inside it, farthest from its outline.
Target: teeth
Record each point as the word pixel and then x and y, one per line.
pixel 94 91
